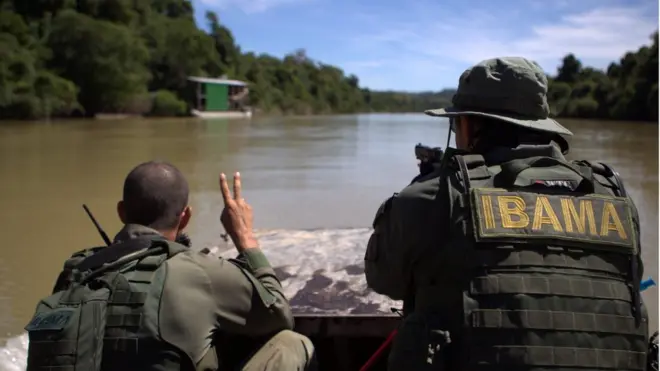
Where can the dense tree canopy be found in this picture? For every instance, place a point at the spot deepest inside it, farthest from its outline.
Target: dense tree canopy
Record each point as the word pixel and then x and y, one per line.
pixel 83 57
pixel 627 90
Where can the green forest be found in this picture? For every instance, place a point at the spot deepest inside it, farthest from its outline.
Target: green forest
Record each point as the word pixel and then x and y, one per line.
pixel 63 58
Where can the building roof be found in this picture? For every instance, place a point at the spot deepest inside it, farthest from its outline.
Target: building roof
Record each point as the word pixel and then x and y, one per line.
pixel 209 80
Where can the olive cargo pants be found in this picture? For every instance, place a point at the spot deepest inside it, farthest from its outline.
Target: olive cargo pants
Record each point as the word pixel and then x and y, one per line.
pixel 286 351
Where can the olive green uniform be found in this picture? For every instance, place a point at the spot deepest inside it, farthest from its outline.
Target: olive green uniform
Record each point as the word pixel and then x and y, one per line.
pixel 516 259
pixel 204 298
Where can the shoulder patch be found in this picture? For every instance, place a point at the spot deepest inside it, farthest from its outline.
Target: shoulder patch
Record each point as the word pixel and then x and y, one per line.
pixel 55 320
pixel 592 220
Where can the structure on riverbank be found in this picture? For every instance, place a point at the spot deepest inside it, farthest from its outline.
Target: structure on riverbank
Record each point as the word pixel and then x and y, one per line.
pixel 218 98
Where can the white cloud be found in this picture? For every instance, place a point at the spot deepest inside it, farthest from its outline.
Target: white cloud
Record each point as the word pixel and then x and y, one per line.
pixel 249 6
pixel 597 36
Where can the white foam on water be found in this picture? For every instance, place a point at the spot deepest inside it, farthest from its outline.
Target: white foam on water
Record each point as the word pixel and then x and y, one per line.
pixel 321 272
pixel 12 355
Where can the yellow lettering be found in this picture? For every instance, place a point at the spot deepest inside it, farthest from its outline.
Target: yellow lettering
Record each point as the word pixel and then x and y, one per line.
pixel 609 212
pixel 489 217
pixel 543 206
pixel 510 206
pixel 586 214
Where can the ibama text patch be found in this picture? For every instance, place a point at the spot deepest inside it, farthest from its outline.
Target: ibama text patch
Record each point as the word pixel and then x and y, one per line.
pixel 591 219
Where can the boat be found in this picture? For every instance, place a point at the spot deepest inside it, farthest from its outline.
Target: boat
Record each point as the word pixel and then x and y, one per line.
pixel 220 115
pixel 212 98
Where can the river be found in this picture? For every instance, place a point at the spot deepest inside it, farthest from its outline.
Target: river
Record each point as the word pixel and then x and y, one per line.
pixel 318 178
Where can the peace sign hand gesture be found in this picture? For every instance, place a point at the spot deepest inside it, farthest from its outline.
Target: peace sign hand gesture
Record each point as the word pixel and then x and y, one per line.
pixel 237 217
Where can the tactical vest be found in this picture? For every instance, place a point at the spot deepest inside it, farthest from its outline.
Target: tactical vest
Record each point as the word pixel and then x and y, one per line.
pixel 548 258
pixel 107 319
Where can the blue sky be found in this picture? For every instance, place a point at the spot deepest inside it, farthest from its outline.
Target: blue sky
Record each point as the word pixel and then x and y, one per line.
pixel 419 45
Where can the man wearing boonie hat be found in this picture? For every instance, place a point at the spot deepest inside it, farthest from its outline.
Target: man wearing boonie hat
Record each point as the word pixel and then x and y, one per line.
pixel 508 256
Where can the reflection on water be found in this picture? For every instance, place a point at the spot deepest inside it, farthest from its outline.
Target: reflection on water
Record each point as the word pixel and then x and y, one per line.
pixel 299 173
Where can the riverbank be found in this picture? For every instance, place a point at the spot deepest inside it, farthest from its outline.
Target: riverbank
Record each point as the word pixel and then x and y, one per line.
pixel 78 69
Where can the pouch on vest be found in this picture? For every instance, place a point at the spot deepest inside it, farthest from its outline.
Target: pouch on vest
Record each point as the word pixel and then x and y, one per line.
pixel 68 328
pixel 420 344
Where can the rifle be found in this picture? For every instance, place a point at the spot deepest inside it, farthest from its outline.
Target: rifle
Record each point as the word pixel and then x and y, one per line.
pixel 429 158
pixel 181 238
pixel 428 154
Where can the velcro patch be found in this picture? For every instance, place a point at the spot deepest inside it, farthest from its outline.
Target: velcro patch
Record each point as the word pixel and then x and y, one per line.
pixel 595 220
pixel 54 320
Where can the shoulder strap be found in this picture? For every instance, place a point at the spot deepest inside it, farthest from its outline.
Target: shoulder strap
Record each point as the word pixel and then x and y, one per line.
pixel 113 253
pixel 174 248
pixel 607 172
pixel 616 180
pixel 472 167
pixel 144 268
pixel 123 249
pixel 81 255
pixel 158 250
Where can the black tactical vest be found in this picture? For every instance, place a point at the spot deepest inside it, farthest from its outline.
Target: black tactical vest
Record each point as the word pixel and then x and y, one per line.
pixel 549 258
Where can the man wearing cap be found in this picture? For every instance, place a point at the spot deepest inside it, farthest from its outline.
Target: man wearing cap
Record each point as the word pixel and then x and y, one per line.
pixel 509 256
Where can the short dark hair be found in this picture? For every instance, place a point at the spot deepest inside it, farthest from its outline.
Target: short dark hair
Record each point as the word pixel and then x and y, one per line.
pixel 155 195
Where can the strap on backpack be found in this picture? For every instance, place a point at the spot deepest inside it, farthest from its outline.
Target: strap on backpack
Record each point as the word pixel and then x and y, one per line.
pixel 607 172
pixel 472 167
pixel 138 250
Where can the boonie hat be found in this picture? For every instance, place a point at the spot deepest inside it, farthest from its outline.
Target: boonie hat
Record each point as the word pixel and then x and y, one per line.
pixel 510 89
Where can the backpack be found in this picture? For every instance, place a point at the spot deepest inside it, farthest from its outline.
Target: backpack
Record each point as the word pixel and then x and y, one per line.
pixel 69 330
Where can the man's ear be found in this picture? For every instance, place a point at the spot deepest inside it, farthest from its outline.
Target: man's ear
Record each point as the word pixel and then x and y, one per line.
pixel 121 212
pixel 185 218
